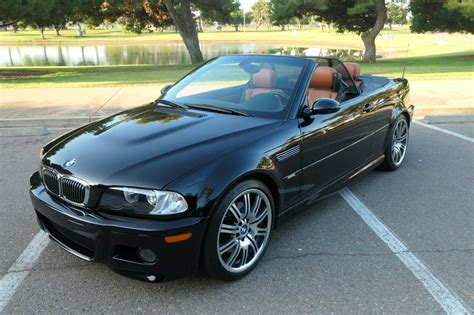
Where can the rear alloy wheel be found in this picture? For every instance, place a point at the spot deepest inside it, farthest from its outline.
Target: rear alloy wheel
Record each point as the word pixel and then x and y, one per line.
pixel 397 149
pixel 239 231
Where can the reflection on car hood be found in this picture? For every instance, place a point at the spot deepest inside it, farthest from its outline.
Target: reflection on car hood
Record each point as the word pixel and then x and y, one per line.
pixel 124 149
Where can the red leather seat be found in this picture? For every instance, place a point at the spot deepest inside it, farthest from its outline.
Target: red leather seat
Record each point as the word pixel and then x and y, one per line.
pixel 322 84
pixel 263 81
pixel 353 69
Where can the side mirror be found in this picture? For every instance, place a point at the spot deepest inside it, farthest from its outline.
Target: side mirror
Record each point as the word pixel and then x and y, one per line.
pixel 325 106
pixel 165 89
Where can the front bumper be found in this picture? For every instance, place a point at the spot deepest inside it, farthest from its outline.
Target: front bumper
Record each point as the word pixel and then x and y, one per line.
pixel 115 240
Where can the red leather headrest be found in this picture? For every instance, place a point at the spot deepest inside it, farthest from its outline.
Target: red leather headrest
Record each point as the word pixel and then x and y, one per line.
pixel 353 68
pixel 265 78
pixel 323 77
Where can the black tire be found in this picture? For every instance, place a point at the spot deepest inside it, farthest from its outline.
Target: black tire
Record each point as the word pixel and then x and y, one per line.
pixel 213 263
pixel 390 163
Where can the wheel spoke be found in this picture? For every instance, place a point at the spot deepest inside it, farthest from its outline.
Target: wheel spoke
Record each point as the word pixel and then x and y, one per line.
pixel 253 244
pixel 228 246
pixel 229 229
pixel 257 220
pixel 245 253
pixel 397 130
pixel 236 212
pixel 256 206
pixel 230 261
pixel 246 205
pixel 403 129
pixel 260 231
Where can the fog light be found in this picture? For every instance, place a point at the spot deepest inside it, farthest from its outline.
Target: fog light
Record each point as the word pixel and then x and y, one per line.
pixel 147 255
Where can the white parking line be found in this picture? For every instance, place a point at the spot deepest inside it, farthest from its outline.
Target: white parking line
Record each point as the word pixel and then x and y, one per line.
pixel 11 281
pixel 448 300
pixel 449 132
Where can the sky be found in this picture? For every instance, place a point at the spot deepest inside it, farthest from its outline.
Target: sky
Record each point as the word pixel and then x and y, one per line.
pixel 246 4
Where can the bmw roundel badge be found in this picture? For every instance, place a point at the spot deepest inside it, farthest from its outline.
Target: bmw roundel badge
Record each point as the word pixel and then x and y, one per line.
pixel 69 163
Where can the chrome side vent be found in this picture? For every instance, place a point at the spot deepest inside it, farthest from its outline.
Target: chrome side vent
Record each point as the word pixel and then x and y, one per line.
pixel 288 153
pixel 68 188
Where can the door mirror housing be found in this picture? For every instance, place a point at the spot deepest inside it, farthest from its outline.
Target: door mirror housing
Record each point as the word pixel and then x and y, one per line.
pixel 165 89
pixel 325 106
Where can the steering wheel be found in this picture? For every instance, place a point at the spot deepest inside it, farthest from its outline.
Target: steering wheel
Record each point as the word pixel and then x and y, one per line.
pixel 282 97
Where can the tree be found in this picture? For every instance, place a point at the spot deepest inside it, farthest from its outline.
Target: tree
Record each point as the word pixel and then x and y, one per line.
pixel 396 14
pixel 364 17
pixel 442 16
pixel 11 11
pixel 286 11
pixel 38 14
pixel 236 19
pixel 61 13
pixel 281 12
pixel 261 13
pixel 222 11
pixel 184 22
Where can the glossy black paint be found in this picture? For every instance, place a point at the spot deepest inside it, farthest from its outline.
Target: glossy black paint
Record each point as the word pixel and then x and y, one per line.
pixel 201 154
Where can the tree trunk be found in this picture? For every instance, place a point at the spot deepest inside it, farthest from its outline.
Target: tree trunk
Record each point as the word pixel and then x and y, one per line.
pixel 81 34
pixel 369 37
pixel 259 22
pixel 236 27
pixel 200 25
pixel 283 27
pixel 57 28
pixel 42 33
pixel 187 28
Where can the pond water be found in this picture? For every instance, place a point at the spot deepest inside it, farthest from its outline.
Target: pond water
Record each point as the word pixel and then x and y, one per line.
pixel 153 53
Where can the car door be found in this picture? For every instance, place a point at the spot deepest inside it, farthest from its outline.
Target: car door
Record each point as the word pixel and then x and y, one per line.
pixel 382 104
pixel 334 145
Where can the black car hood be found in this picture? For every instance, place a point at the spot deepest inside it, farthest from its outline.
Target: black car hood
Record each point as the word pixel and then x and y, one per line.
pixel 127 148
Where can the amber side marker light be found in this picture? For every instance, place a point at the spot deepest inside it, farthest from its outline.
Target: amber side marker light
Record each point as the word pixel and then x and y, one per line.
pixel 178 238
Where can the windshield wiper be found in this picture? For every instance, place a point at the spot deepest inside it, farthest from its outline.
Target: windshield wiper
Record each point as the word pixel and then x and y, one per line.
pixel 219 109
pixel 169 103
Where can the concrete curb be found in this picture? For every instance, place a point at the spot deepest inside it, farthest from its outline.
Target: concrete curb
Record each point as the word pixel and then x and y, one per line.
pixel 443 111
pixel 451 119
pixel 72 122
pixel 23 131
pixel 58 122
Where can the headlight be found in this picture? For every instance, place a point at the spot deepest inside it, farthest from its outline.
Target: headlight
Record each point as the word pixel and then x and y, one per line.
pixel 143 201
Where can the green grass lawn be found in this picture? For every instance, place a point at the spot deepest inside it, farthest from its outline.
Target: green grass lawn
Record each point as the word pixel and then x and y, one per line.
pixel 396 40
pixel 456 66
pixel 430 56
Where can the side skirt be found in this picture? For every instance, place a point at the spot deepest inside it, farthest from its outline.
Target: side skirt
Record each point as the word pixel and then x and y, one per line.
pixel 332 188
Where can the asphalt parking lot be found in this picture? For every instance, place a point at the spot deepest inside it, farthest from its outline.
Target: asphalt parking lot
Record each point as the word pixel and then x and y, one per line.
pixel 325 259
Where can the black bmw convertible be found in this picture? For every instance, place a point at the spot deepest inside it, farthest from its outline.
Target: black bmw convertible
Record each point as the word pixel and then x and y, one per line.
pixel 202 176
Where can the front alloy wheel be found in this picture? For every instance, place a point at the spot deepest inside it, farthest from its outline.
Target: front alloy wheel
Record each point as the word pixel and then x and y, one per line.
pixel 244 230
pixel 239 230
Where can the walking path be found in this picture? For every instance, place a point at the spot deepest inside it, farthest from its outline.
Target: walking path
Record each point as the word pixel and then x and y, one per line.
pixel 435 97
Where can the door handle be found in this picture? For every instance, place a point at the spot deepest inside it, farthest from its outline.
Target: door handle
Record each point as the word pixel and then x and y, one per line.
pixel 368 107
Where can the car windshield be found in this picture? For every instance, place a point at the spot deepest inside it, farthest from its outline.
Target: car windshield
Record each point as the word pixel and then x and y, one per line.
pixel 260 86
